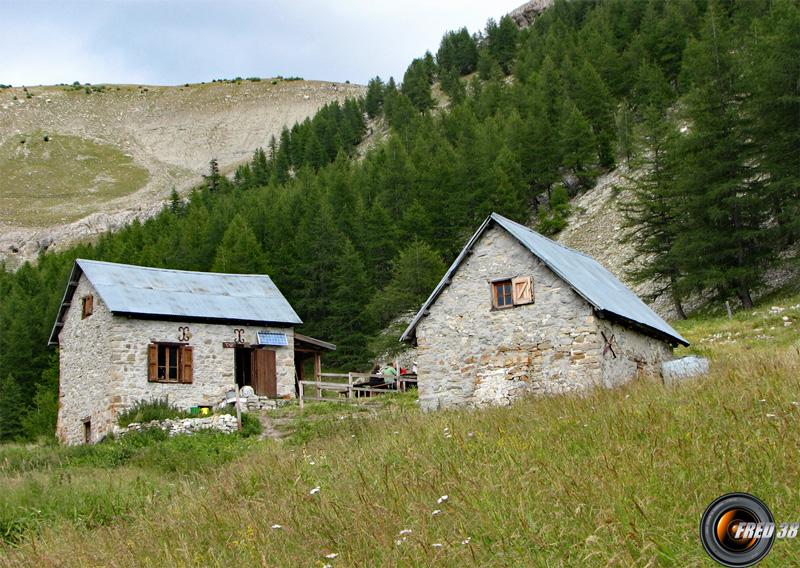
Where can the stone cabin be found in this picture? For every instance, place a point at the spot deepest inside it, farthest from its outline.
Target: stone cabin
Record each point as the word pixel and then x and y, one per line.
pixel 518 313
pixel 130 333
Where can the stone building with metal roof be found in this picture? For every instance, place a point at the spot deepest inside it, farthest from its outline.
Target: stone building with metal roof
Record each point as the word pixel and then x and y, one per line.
pixel 517 313
pixel 130 333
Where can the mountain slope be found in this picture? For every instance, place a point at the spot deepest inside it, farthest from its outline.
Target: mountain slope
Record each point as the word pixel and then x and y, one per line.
pixel 146 141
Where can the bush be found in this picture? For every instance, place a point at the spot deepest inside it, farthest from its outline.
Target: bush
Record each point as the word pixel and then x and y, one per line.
pixel 149 410
pixel 251 425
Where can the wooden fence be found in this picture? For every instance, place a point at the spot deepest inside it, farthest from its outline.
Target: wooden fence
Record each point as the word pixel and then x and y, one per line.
pixel 348 391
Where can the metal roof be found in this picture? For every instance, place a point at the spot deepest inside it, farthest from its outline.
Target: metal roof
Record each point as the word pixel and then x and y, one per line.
pixel 175 294
pixel 585 275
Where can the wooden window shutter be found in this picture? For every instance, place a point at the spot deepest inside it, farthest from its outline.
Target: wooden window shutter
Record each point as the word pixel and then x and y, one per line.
pixel 88 306
pixel 186 364
pixel 522 290
pixel 152 362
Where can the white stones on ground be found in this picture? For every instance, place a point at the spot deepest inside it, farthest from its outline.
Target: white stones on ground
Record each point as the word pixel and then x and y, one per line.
pixel 225 423
pixel 684 368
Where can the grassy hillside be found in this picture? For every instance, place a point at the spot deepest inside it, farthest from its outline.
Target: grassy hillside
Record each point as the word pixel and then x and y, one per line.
pixel 616 478
pixel 166 135
pixel 58 179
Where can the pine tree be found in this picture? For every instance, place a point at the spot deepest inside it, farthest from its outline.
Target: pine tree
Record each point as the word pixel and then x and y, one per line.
pixel 11 409
pixel 502 41
pixel 653 215
pixel 577 143
pixel 348 323
pixel 458 52
pixel 373 102
pixel 239 252
pixel 415 272
pixel 417 85
pixel 213 177
pixel 726 242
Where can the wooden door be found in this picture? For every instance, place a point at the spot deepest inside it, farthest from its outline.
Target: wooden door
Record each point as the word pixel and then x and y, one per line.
pixel 264 377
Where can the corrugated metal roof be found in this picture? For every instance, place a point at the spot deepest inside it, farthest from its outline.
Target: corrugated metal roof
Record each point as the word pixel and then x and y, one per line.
pixel 584 274
pixel 160 292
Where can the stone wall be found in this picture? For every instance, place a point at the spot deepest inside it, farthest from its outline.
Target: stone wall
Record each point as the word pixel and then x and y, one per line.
pixel 104 365
pixel 637 354
pixel 469 353
pixel 85 366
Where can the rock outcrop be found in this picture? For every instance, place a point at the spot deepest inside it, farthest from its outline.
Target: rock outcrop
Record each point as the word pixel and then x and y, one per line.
pixel 526 14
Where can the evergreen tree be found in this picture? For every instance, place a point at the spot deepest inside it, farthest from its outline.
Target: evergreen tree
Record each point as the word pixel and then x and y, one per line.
pixel 453 87
pixel 239 252
pixel 11 409
pixel 417 85
pixel 502 42
pixel 415 272
pixel 373 102
pixel 653 215
pixel 213 177
pixel 577 143
pixel 725 242
pixel 458 52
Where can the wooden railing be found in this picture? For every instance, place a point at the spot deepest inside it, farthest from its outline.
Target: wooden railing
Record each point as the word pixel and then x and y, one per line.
pixel 350 389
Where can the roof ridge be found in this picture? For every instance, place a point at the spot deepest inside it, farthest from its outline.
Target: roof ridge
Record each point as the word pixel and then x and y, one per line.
pixel 538 234
pixel 139 267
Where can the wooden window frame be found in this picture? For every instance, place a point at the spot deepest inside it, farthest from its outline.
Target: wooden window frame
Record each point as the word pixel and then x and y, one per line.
pixel 496 286
pixel 511 296
pixel 184 363
pixel 87 306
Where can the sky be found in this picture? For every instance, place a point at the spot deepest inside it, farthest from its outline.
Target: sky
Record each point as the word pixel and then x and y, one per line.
pixel 171 42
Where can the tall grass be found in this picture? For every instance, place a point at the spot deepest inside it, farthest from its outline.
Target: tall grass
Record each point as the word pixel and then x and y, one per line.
pixel 619 477
pixel 616 478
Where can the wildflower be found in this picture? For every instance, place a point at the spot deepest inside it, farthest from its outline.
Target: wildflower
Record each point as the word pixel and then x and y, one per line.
pixel 442 499
pixel 436 512
pixel 470 434
pixel 312 463
pixel 314 491
pixel 437 545
pixel 405 531
pixel 772 416
pixel 276 527
pixel 448 435
pixel 331 556
pixel 466 540
pixel 398 542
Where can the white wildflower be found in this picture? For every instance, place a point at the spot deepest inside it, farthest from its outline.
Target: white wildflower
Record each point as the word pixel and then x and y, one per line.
pixel 466 540
pixel 442 499
pixel 772 415
pixel 312 463
pixel 398 542
pixel 314 491
pixel 405 531
pixel 331 556
pixel 437 545
pixel 276 527
pixel 436 512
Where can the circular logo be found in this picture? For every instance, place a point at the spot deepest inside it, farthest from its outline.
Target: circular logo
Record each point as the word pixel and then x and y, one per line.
pixel 737 530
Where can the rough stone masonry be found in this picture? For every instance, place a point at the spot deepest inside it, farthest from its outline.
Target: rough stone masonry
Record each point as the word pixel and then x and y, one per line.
pixel 470 353
pixel 103 361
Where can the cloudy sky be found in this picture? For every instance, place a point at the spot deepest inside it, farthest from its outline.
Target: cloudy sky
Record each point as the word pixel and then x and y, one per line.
pixel 167 42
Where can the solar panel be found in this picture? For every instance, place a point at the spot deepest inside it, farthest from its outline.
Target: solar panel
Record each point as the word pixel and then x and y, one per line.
pixel 272 338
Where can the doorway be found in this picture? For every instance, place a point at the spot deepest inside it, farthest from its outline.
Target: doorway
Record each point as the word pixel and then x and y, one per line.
pixel 256 367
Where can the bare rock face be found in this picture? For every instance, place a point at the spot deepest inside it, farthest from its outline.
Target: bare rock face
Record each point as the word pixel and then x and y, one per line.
pixel 525 15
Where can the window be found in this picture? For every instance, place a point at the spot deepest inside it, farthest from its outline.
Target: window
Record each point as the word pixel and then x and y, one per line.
pixel 511 292
pixel 502 294
pixel 88 306
pixel 87 431
pixel 169 363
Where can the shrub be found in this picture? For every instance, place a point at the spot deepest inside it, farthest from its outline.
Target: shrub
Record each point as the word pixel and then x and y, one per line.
pixel 251 425
pixel 148 410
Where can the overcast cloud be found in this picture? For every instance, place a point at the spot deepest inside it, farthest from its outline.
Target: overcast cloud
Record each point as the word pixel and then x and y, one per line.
pixel 170 42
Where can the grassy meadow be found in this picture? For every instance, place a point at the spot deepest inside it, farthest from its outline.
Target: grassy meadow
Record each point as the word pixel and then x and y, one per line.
pixel 63 178
pixel 616 478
